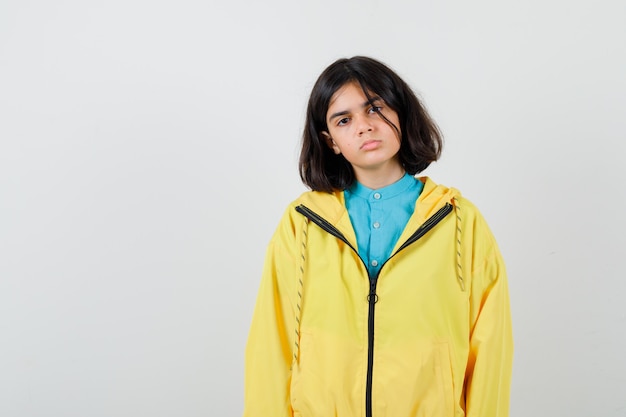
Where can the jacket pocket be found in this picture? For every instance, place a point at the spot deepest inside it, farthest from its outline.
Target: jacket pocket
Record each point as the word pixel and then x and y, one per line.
pixel 431 392
pixel 443 370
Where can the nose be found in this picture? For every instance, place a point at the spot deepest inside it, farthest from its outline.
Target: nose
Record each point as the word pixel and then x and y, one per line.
pixel 364 125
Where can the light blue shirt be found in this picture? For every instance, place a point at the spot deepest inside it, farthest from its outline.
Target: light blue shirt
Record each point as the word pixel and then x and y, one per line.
pixel 379 217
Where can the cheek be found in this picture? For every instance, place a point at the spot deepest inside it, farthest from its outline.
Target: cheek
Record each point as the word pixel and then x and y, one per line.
pixel 397 133
pixel 392 132
pixel 339 137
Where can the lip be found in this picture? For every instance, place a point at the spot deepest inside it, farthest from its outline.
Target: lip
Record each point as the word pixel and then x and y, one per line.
pixel 370 145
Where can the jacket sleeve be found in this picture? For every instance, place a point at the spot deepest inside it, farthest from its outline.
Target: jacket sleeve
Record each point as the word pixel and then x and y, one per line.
pixel 270 345
pixel 488 374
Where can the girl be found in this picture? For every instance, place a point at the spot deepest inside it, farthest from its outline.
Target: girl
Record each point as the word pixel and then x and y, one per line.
pixel 383 294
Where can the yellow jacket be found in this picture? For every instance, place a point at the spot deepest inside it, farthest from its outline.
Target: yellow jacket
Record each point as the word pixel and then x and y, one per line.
pixel 429 336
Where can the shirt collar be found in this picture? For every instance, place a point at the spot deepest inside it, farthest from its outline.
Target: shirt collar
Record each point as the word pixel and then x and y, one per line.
pixel 383 193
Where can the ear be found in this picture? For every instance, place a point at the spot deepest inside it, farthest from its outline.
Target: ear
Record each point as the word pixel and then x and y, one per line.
pixel 331 143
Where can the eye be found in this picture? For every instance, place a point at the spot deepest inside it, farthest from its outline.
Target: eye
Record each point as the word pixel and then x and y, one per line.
pixel 375 109
pixel 342 122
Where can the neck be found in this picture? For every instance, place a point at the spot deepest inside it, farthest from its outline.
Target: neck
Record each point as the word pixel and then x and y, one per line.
pixel 379 178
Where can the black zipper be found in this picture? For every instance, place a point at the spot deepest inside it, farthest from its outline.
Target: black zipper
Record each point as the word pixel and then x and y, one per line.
pixel 372 297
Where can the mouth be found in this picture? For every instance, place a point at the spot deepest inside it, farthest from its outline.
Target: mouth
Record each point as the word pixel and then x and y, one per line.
pixel 370 144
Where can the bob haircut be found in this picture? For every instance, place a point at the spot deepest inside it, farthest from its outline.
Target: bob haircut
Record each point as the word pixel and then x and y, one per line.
pixel 420 138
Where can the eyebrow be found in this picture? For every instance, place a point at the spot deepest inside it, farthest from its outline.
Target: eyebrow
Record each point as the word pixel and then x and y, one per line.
pixel 365 104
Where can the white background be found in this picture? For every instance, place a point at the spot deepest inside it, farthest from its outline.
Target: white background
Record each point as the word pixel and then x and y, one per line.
pixel 148 149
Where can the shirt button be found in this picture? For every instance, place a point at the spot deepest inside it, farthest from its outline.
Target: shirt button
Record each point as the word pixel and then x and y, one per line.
pixel 377 196
pixel 374 262
pixel 376 225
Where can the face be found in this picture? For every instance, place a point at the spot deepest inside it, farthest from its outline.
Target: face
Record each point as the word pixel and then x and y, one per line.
pixel 360 134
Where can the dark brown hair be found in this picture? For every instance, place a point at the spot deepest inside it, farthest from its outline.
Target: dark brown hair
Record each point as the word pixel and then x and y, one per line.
pixel 420 139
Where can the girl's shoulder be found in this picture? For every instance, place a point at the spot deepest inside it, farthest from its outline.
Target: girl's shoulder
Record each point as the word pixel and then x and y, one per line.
pixel 319 199
pixel 434 192
pixel 329 206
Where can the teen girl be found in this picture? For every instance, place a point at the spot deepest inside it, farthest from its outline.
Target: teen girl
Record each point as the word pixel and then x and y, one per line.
pixel 383 294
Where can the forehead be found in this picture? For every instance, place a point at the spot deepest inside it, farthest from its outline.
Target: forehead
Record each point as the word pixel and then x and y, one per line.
pixel 348 92
pixel 350 97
